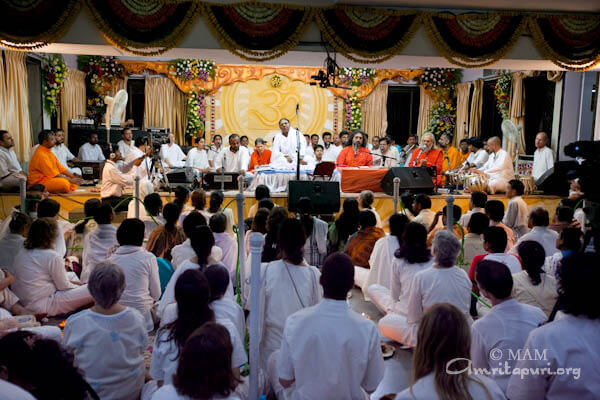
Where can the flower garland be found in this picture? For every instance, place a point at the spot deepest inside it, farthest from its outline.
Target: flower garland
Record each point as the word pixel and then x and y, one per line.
pixel 502 94
pixel 442 119
pixel 101 71
pixel 96 109
pixel 187 70
pixel 196 112
pixel 356 76
pixel 54 73
pixel 353 109
pixel 440 81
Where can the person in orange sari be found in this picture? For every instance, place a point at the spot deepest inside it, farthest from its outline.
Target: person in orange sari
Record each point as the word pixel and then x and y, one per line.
pixel 428 156
pixel 260 155
pixel 45 169
pixel 356 155
pixel 360 245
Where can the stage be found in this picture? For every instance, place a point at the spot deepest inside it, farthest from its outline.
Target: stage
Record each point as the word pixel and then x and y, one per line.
pixel 71 204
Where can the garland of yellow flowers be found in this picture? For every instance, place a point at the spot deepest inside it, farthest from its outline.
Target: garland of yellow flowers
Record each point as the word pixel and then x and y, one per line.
pixel 339 45
pixel 460 59
pixel 58 30
pixel 252 55
pixel 163 45
pixel 549 53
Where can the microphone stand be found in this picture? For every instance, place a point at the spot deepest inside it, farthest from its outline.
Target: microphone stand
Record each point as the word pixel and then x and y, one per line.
pixel 297 144
pixel 380 155
pixel 223 174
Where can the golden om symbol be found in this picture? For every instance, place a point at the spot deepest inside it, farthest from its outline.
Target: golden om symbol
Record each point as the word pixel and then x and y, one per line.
pixel 268 106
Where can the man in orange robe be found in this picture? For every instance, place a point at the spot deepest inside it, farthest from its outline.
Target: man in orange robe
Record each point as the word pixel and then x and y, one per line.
pixel 427 156
pixel 356 155
pixel 45 169
pixel 260 155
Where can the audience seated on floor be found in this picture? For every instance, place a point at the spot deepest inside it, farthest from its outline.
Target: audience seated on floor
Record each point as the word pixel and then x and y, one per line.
pixel 563 218
pixel 494 209
pixel 318 343
pixel 437 354
pixel 365 202
pixel 504 330
pixel 539 221
pixel 184 251
pixel 473 244
pixel 82 229
pixel 49 208
pixel 198 200
pixel 109 339
pixel 570 241
pixel 360 245
pixel 12 243
pixel 261 192
pixel 153 218
pixel 494 242
pixel 345 226
pixel 276 217
pixel 142 283
pixel 99 244
pixel 224 307
pixel 227 244
pixel 259 225
pixel 40 277
pixel 476 205
pixel 165 237
pixel 315 230
pixel 532 285
pixel 422 210
pixel 436 226
pixel 517 212
pixel 570 342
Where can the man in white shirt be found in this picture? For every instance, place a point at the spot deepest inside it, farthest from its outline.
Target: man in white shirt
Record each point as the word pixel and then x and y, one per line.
pixel 319 341
pixel 171 154
pixel 543 157
pixel 197 158
pixel 476 205
pixel 285 143
pixel 140 150
pixel 308 151
pixel 11 174
pixel 504 330
pixel 498 168
pixel 91 151
pixel 538 222
pixel 227 244
pixel 232 158
pixel 422 209
pixel 390 153
pixel 115 177
pixel 517 212
pixel 569 363
pixel 98 244
pixel 406 152
pixel 126 144
pixel 478 156
pixel 215 149
pixel 331 150
pixel 63 154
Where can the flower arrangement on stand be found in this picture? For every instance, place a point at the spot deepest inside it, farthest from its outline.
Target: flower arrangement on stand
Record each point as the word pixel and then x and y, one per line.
pixel 96 109
pixel 353 108
pixel 440 81
pixel 54 74
pixel 190 69
pixel 356 76
pixel 502 94
pixel 101 72
pixel 196 113
pixel 442 119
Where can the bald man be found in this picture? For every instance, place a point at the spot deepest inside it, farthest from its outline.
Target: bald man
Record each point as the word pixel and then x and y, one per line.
pixel 498 168
pixel 543 158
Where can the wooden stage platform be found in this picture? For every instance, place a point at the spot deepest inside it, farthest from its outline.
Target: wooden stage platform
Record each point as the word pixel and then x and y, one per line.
pixel 72 203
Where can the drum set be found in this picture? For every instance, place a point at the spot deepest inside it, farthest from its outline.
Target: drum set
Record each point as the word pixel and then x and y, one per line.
pixel 479 183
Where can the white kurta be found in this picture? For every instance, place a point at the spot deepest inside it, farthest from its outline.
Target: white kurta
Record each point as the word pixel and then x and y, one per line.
pixel 424 388
pixel 183 252
pixel 544 236
pixel 213 152
pixel 109 349
pixel 227 308
pixel 499 170
pixel 63 155
pixel 229 249
pixel 142 169
pixel 168 392
pixel 10 246
pixel 125 148
pixel 96 248
pixel 317 346
pixel 89 152
pixel 425 218
pixel 232 162
pixel 543 160
pixel 510 260
pixel 142 283
pixel 466 217
pixel 288 145
pixel 315 247
pixel 381 261
pixel 174 154
pixel 505 327
pixel 517 216
pixel 542 295
pixel 569 342
pixel 197 159
pixel 332 152
pixel 479 158
pixel 9 161
pixel 115 178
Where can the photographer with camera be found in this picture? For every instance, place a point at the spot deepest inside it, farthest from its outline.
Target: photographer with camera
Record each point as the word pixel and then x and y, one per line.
pixel 116 177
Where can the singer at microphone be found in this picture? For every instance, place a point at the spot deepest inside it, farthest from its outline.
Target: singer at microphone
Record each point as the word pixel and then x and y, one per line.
pixel 428 156
pixel 356 155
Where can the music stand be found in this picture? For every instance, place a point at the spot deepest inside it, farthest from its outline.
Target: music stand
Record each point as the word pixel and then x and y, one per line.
pixel 214 181
pixel 323 169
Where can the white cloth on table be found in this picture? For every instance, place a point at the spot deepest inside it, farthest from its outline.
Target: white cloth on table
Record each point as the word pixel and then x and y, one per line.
pixel 570 342
pixel 541 234
pixel 109 349
pixel 10 246
pixel 499 170
pixel 63 155
pixel 184 251
pixel 125 148
pixel 315 247
pixel 42 285
pixel 197 159
pixel 332 152
pixel 286 289
pixel 165 353
pixel 168 392
pixel 330 352
pixel 90 152
pixel 542 295
pixel 466 217
pixel 517 216
pixel 505 327
pixel 543 160
pixel 142 283
pixel 174 155
pixel 232 162
pixel 429 286
pixel 115 178
pixel 96 247
pixel 13 392
pixel 288 145
pixel 276 181
pixel 478 158
pixel 229 250
pixel 168 296
pixel 424 388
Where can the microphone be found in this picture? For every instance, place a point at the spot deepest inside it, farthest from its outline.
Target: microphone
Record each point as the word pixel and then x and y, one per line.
pixel 355 148
pixel 297 107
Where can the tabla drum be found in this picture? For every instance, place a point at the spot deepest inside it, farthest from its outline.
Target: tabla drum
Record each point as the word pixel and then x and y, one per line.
pixel 528 182
pixel 451 178
pixel 476 183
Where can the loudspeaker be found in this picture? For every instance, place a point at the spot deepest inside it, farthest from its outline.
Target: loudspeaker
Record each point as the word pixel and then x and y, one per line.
pixel 181 175
pixel 325 196
pixel 412 179
pixel 554 181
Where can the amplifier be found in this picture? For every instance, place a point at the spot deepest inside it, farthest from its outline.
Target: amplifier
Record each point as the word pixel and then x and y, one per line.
pixel 213 180
pixel 181 175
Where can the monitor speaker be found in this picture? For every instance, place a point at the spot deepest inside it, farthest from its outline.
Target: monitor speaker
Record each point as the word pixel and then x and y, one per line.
pixel 325 196
pixel 554 181
pixel 412 179
pixel 181 175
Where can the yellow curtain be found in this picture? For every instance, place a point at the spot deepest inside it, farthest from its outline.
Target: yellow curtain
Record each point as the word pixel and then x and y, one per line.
pixel 16 101
pixel 165 106
pixel 462 111
pixel 476 106
pixel 425 104
pixel 72 99
pixel 375 112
